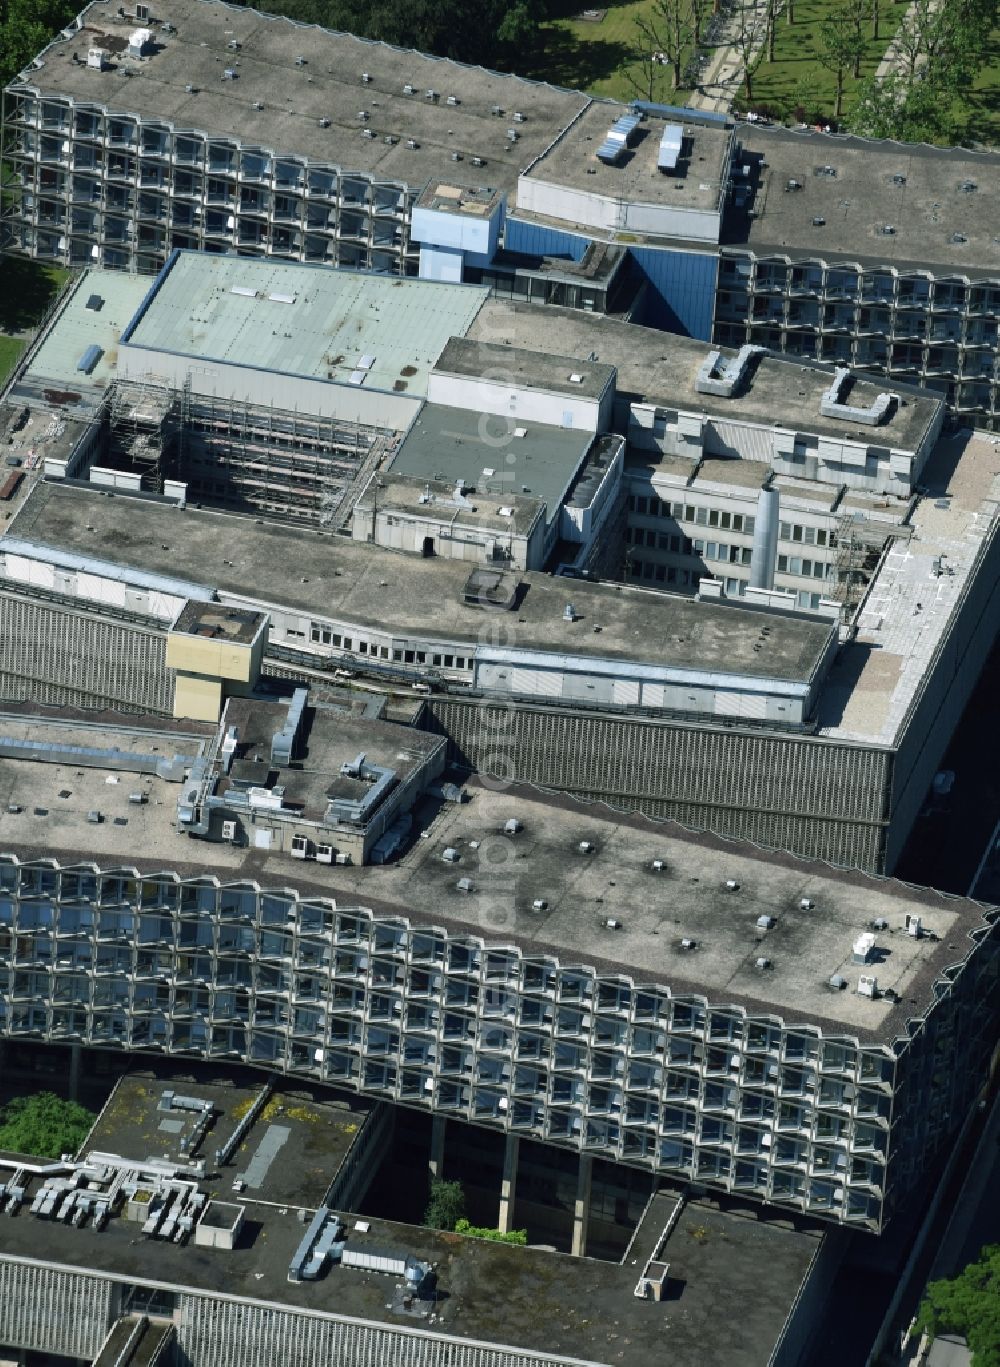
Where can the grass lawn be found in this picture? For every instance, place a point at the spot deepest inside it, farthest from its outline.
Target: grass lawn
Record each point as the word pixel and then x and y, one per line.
pixel 978 115
pixel 797 77
pixel 592 56
pixel 10 351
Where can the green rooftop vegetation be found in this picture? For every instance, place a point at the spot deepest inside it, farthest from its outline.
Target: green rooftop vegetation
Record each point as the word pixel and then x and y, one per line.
pixel 43 1125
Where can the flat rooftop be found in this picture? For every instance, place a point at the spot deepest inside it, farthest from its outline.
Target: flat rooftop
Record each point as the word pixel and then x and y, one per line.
pixel 688 899
pixel 96 313
pixel 449 444
pixel 210 622
pixel 553 374
pixel 406 594
pixel 329 739
pixel 877 678
pixel 435 499
pixel 861 187
pixel 464 201
pixel 659 367
pixel 576 1310
pixel 697 183
pixel 298 319
pixel 309 1130
pixel 181 83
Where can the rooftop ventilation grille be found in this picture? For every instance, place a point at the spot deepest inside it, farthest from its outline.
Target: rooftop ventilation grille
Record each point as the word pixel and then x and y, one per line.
pixel 968 187
pixel 619 137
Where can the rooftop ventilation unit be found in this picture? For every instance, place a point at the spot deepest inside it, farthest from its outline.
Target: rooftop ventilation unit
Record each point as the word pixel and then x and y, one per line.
pixel 366 77
pixel 723 378
pixel 968 187
pixel 880 923
pixel 569 613
pixel 450 855
pixel 766 922
pixel 431 95
pixel 407 89
pixel 258 104
pixel 732 885
pixel 658 866
pixel 456 156
pixel 390 139
pixel 324 122
pixel 464 885
pixel 363 115
pixel 867 986
pixel 478 161
pixel 806 904
pixel 539 904
pixel 832 403
pixel 671 141
pixel 899 179
pixel 762 963
pixel 229 74
pixel 511 826
pixel 863 946
pixel 914 927
pixel 792 185
pixel 888 230
pixel 518 116
pixel 412 144
pixel 586 847
pixel 233 45
pixel 837 982
pixel 453 100
pixel 512 135
pixel 300 61
pixel 612 923
pixel 497 111
pixel 688 944
pixel 368 133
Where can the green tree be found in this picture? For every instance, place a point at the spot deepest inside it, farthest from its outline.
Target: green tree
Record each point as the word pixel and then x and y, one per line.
pixel 43 1125
pixel 446 1205
pixel 968 1304
pixel 26 26
pixel 839 49
pixel 665 32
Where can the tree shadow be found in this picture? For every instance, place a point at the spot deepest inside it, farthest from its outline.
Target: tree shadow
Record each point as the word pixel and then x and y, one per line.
pixel 26 291
pixel 568 61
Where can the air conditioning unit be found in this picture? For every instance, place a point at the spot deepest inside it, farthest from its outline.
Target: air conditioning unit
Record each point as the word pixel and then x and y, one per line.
pixel 867 986
pixel 300 847
pixel 324 854
pixel 229 830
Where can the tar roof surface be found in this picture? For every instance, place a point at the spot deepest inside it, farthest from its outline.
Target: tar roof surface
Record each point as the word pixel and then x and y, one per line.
pixel 450 444
pixel 493 1293
pixel 337 318
pixel 328 86
pixel 533 369
pixel 363 584
pixel 322 1126
pixel 926 207
pixel 696 184
pixel 209 620
pixel 516 513
pixel 329 739
pixel 687 899
pixel 660 367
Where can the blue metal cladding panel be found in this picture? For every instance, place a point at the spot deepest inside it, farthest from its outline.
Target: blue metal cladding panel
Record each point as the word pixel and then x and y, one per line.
pixel 534 240
pixel 681 296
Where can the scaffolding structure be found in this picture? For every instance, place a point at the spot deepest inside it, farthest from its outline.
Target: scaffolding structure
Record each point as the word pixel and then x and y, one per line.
pixel 286 464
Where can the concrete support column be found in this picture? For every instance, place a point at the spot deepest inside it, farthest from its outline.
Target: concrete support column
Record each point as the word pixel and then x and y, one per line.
pixel 582 1207
pixel 435 1165
pixel 508 1185
pixel 75 1054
